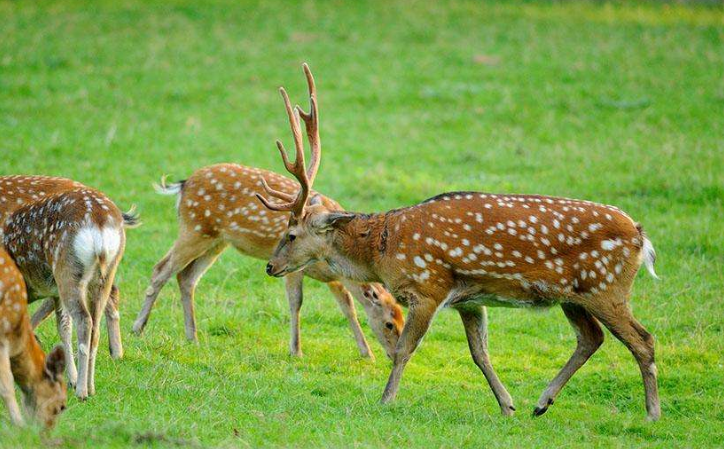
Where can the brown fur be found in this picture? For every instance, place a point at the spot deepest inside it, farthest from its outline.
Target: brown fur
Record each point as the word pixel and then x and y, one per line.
pixel 469 249
pixel 40 378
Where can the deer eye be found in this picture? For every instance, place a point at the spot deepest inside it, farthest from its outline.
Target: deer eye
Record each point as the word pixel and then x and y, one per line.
pixel 292 237
pixel 389 326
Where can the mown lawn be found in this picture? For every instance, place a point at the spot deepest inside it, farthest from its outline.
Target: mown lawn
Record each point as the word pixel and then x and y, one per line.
pixel 615 103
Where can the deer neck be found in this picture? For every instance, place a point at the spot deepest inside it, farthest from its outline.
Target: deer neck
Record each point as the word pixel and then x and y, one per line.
pixel 29 362
pixel 357 247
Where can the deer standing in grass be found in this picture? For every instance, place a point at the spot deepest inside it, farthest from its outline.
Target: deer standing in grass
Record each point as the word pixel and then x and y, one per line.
pixel 217 208
pixel 22 360
pixel 19 190
pixel 68 245
pixel 466 250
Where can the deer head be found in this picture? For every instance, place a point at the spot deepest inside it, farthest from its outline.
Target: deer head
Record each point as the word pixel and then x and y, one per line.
pixel 307 237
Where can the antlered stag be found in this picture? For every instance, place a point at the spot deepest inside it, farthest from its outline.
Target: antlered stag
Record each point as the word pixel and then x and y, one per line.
pixel 217 208
pixel 468 249
pixel 22 360
pixel 19 190
pixel 68 245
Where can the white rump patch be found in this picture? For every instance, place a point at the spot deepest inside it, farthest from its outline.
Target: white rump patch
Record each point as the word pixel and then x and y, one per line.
pixel 91 242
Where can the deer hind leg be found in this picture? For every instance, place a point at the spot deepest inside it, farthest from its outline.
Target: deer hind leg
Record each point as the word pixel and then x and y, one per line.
pixel 181 254
pixel 294 286
pixel 187 279
pixel 640 342
pixel 113 324
pixel 73 295
pixel 43 312
pixel 475 320
pixel 589 339
pixel 99 291
pixel 7 386
pixel 65 331
pixel 344 299
pixel 418 322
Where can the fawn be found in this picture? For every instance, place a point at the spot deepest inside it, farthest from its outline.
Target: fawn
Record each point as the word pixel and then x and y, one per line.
pixel 19 190
pixel 217 208
pixel 466 250
pixel 68 245
pixel 39 377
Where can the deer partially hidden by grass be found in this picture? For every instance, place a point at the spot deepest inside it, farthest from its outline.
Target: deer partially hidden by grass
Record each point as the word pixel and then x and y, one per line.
pixel 22 360
pixel 217 208
pixel 17 191
pixel 466 250
pixel 68 245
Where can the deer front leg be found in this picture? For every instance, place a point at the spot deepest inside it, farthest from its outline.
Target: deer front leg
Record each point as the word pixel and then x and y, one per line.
pixel 7 387
pixel 344 299
pixel 475 320
pixel 418 322
pixel 293 283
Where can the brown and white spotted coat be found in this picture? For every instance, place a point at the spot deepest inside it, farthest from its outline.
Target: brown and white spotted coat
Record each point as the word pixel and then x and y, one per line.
pixel 68 245
pixel 467 250
pixel 18 190
pixel 217 208
pixel 22 360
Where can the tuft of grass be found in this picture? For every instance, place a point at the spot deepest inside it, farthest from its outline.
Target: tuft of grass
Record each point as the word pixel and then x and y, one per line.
pixel 616 103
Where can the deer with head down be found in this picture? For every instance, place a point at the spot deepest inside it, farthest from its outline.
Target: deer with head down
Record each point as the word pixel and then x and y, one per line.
pixel 68 245
pixel 217 208
pixel 19 190
pixel 467 250
pixel 22 360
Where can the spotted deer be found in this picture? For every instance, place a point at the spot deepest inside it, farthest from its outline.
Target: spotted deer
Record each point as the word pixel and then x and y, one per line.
pixel 22 360
pixel 466 250
pixel 68 245
pixel 217 208
pixel 19 190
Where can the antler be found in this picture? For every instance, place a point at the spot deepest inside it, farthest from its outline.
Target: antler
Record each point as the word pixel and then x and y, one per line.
pixel 305 176
pixel 311 124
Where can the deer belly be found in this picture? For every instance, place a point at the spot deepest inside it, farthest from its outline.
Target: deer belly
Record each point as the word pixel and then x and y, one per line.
pixel 496 300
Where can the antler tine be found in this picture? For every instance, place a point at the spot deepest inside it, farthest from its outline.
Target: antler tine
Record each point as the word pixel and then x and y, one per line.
pixel 289 198
pixel 273 206
pixel 311 123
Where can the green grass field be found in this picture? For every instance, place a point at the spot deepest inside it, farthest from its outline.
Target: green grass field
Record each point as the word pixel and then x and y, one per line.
pixel 613 103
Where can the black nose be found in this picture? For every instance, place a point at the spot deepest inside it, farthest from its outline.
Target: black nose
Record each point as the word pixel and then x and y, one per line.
pixel 269 268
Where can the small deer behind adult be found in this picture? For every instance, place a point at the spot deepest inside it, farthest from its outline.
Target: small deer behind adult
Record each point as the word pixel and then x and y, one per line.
pixel 466 250
pixel 22 360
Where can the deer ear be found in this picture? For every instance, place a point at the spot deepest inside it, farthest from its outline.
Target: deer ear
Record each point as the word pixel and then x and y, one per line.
pixel 333 220
pixel 55 364
pixel 316 200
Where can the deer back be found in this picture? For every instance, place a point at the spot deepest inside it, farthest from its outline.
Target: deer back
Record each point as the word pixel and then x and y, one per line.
pixel 75 228
pixel 531 248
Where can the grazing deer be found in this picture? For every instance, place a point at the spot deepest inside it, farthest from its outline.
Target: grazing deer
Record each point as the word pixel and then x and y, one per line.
pixel 217 208
pixel 468 249
pixel 68 245
pixel 39 377
pixel 19 190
